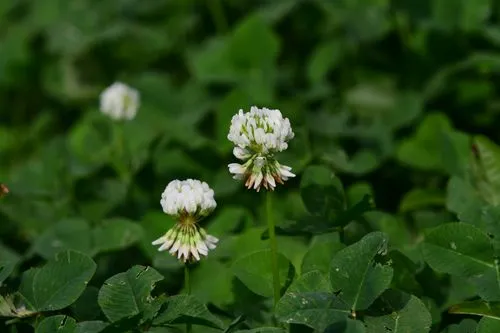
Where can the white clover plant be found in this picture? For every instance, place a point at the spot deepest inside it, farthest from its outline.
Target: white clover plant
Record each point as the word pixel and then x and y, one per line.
pixel 188 201
pixel 119 101
pixel 258 135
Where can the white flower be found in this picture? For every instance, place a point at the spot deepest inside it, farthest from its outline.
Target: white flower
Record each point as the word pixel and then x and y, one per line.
pixel 261 131
pixel 188 197
pixel 261 171
pixel 189 201
pixel 119 101
pixel 258 135
pixel 187 243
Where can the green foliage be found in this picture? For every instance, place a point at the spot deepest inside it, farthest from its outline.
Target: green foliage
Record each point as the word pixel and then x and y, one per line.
pixel 57 284
pixel 253 271
pixel 404 313
pixel 128 294
pixel 392 223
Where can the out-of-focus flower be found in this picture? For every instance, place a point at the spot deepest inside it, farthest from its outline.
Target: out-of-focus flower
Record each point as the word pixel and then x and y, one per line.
pixel 3 190
pixel 188 201
pixel 257 136
pixel 119 101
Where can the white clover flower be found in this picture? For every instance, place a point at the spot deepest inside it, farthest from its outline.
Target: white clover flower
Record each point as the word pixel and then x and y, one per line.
pixel 188 197
pixel 189 201
pixel 119 101
pixel 261 131
pixel 257 136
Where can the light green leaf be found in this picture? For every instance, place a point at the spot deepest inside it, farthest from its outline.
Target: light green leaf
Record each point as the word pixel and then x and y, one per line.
pixel 357 273
pixel 57 324
pixel 253 43
pixel 187 309
pixel 463 200
pixel 460 15
pixel 91 327
pixel 129 293
pixel 347 326
pixel 486 169
pixel 220 292
pixel 458 249
pixel 212 62
pixel 116 234
pixel 90 143
pixel 324 58
pixel 479 307
pixel 404 313
pixel 254 270
pixel 488 325
pixel 465 326
pixel 263 330
pixel 421 198
pixel 68 234
pixel 8 262
pixel 59 283
pixel 359 163
pixel 393 226
pixel 429 148
pixel 487 284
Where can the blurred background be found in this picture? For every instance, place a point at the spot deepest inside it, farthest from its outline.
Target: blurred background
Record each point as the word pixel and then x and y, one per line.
pixel 386 93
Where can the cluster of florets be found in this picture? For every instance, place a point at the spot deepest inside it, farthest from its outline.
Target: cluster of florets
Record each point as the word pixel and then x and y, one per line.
pixel 257 136
pixel 188 201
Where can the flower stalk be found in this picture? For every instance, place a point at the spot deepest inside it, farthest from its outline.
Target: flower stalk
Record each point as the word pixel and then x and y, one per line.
pixel 187 284
pixel 274 247
pixel 257 136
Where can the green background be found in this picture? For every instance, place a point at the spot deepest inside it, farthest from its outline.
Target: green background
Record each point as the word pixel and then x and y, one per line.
pixel 386 94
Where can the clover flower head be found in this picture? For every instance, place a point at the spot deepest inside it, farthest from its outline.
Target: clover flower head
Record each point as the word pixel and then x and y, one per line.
pixel 261 131
pixel 188 197
pixel 189 201
pixel 119 101
pixel 257 136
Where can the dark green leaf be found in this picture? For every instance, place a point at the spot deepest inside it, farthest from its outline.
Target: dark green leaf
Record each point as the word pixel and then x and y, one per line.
pixel 321 252
pixel 310 302
pixel 129 293
pixel 359 274
pixel 321 191
pixel 401 313
pixel 186 309
pixel 59 283
pixel 86 307
pixel 57 324
pixel 91 327
pixel 459 249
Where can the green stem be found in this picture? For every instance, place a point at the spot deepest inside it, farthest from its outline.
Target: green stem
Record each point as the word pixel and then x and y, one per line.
pixel 122 160
pixel 274 246
pixel 218 16
pixel 187 284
